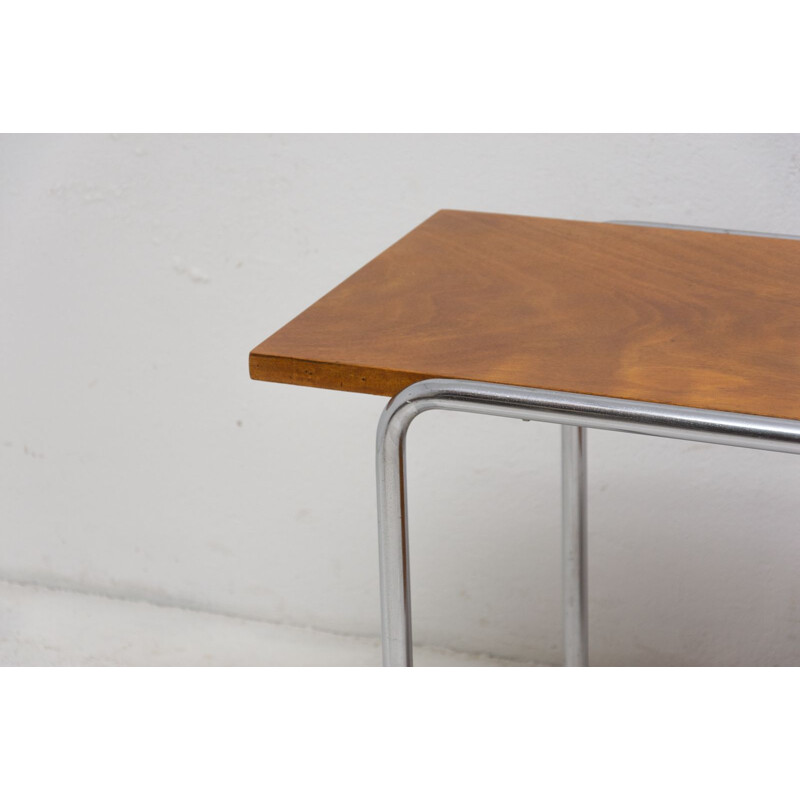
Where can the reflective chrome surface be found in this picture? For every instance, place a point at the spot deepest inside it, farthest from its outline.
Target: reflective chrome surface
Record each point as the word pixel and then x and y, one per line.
pixel 574 547
pixel 393 536
pixel 588 411
pixel 701 229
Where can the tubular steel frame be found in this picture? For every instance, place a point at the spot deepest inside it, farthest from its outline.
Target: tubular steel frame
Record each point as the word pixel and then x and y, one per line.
pixel 576 412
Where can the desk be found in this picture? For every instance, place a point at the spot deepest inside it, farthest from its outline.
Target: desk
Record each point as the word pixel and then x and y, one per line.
pixel 690 334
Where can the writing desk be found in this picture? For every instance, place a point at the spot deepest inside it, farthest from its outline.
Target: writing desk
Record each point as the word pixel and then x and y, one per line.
pixel 690 334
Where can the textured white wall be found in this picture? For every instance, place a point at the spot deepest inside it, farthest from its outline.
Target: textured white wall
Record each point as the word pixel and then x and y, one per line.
pixel 138 460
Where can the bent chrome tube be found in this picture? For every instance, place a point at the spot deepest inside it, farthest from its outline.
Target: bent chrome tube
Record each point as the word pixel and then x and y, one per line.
pixel 565 408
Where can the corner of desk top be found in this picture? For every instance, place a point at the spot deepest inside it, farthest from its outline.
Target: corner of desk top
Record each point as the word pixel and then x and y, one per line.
pixel 273 368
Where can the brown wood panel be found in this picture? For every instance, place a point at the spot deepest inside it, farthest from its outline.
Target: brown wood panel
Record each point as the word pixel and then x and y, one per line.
pixel 682 317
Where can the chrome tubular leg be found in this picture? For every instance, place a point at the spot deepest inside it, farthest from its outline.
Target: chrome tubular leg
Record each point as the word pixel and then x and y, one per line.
pixel 393 548
pixel 575 412
pixel 573 523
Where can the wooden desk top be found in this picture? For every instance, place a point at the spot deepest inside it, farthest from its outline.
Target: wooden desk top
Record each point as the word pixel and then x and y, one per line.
pixel 707 320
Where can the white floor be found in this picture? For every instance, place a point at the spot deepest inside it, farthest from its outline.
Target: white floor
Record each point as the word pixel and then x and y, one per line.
pixel 49 627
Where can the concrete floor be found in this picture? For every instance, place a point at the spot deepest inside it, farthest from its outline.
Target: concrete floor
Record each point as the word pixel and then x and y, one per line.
pixel 51 627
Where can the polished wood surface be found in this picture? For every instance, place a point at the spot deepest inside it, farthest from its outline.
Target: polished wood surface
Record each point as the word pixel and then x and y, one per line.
pixel 697 319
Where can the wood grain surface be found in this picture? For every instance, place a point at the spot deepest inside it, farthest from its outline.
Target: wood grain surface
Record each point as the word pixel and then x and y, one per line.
pixel 696 319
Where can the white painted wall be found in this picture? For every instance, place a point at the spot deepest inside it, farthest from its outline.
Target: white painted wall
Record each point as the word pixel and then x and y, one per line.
pixel 138 460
